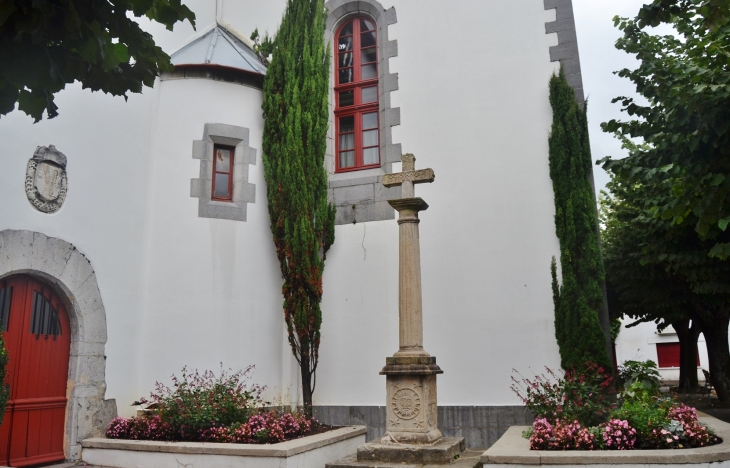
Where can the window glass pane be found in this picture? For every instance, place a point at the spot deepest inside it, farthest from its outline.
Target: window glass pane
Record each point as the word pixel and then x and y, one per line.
pixel 345 43
pixel 44 320
pixel 221 186
pixel 370 138
pixel 367 39
pixel 347 141
pixel 347 98
pixel 368 94
pixel 347 159
pixel 366 25
pixel 222 160
pixel 345 60
pixel 346 75
pixel 347 124
pixel 346 30
pixel 369 55
pixel 6 296
pixel 369 120
pixel 369 71
pixel 371 155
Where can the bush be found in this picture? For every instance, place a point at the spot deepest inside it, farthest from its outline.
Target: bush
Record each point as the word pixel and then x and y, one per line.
pixel 642 419
pixel 206 408
pixel 582 396
pixel 645 372
pixel 197 402
pixel 618 435
pixel 561 436
pixel 266 427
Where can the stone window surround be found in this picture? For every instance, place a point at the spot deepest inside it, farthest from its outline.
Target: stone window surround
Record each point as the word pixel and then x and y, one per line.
pixel 69 272
pixel 566 52
pixel 359 195
pixel 202 187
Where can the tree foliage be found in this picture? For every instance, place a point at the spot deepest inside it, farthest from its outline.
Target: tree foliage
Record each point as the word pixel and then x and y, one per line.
pixel 658 271
pixel 47 44
pixel 685 123
pixel 295 107
pixel 579 299
pixel 645 291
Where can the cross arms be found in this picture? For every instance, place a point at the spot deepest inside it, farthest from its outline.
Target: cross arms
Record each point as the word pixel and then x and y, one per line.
pixel 420 176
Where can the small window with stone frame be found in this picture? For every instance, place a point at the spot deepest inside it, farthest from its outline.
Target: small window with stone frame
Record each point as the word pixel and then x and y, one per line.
pixel 356 89
pixel 222 189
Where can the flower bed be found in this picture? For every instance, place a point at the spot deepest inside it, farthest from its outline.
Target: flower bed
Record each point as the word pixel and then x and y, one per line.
pixel 205 408
pixel 513 451
pixel 313 451
pixel 576 412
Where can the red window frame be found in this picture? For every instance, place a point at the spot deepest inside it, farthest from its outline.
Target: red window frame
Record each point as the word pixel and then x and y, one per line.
pixel 232 150
pixel 360 55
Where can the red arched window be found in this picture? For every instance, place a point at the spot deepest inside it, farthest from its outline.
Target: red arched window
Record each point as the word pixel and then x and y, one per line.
pixel 356 90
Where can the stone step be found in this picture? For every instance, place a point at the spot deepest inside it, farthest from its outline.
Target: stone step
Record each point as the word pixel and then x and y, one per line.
pixel 443 451
pixel 467 459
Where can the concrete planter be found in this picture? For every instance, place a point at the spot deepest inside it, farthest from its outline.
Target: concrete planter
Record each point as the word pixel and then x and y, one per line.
pixel 513 451
pixel 308 452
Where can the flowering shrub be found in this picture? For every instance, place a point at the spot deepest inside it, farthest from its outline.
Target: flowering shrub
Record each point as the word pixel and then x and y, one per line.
pixel 580 395
pixel 574 413
pixel 206 408
pixel 139 428
pixel 561 436
pixel 262 428
pixel 542 434
pixel 618 435
pixel 197 402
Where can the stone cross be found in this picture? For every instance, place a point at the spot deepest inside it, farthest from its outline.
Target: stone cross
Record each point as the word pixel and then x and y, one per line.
pixel 411 372
pixel 409 176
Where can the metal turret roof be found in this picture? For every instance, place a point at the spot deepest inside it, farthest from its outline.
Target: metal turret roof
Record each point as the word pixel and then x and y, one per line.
pixel 219 47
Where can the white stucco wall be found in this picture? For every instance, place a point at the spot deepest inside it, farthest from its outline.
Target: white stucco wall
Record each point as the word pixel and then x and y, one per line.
pixel 638 343
pixel 474 109
pixel 183 290
pixel 213 287
pixel 105 140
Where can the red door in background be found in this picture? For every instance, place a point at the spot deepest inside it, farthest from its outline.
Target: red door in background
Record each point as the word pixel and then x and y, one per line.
pixel 38 339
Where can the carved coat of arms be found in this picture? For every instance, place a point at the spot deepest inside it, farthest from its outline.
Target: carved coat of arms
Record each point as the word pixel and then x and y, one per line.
pixel 45 180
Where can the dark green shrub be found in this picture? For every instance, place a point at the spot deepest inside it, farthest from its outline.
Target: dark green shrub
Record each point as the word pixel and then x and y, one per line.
pixel 201 401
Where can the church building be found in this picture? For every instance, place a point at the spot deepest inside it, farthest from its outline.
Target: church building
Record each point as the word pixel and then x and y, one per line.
pixel 135 237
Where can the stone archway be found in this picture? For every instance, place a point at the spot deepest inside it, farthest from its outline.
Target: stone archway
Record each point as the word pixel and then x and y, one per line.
pixel 62 266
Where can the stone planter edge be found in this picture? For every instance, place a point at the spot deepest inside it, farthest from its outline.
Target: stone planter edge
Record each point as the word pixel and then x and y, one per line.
pixel 285 449
pixel 513 449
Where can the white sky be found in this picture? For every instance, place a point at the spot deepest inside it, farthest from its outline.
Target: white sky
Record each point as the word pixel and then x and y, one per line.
pixel 599 59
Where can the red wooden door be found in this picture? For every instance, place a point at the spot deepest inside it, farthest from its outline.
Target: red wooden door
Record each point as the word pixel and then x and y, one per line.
pixel 37 337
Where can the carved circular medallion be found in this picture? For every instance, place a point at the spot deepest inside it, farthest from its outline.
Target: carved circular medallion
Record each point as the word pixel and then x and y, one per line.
pixel 406 403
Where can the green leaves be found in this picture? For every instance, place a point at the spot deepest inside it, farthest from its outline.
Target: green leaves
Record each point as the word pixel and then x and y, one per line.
pixel 579 299
pixel 685 78
pixel 46 44
pixel 296 90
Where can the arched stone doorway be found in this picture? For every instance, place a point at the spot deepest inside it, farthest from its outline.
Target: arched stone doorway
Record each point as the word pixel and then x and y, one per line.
pixel 37 335
pixel 61 266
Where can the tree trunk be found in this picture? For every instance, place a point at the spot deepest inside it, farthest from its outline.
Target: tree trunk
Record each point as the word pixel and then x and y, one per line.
pixel 688 336
pixel 716 336
pixel 307 387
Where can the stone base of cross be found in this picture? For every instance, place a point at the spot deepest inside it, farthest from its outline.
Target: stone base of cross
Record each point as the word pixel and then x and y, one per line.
pixel 412 410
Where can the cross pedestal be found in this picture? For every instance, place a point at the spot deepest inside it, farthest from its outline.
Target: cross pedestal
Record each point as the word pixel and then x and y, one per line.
pixel 411 414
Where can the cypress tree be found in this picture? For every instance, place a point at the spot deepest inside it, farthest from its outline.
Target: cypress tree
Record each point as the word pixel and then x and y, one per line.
pixel 579 299
pixel 295 107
